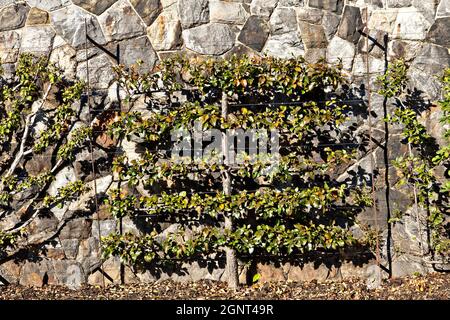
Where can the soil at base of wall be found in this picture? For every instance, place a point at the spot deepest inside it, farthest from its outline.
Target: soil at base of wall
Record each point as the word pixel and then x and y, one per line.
pixel 431 286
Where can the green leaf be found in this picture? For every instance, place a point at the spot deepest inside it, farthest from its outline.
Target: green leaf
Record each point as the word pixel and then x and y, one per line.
pixel 256 277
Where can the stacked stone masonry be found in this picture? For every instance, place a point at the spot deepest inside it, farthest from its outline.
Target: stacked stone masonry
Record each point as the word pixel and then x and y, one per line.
pixel 149 30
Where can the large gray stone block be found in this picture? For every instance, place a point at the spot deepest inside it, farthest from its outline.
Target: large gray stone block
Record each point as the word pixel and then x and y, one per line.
pixel 121 22
pixel 263 7
pixel 94 6
pixel 283 20
pixel 37 40
pixel 193 12
pixel 9 46
pixel 51 5
pixel 138 49
pixel 439 32
pixel 227 12
pixel 254 33
pixel 147 9
pixel 313 36
pixel 13 16
pixel 410 24
pixel 341 50
pixel 330 5
pixel 101 66
pixel 165 32
pixel 426 67
pixel 351 24
pixel 443 9
pixel 212 39
pixel 286 45
pixel 70 22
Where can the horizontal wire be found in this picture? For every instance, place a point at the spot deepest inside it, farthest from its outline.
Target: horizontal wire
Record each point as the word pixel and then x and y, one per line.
pixel 187 211
pixel 191 193
pixel 381 166
pixel 271 187
pixel 35 156
pixel 138 152
pixel 333 57
pixel 268 104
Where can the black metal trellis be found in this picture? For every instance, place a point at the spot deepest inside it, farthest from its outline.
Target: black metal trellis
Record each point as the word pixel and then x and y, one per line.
pixel 371 147
pixel 116 58
pixel 371 142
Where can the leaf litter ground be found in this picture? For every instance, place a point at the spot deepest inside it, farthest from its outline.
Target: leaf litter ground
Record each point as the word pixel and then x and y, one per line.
pixel 429 287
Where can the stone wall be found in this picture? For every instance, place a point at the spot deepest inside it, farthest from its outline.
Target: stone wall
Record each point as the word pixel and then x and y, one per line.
pixel 149 30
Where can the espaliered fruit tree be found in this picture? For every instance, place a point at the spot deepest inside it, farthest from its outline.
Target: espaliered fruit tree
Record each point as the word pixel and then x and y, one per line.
pixel 267 205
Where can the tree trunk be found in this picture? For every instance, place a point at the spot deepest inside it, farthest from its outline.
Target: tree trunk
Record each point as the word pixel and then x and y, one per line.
pixel 231 267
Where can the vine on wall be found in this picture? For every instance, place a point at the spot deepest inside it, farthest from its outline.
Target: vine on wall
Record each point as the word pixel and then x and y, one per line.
pixel 419 168
pixel 36 91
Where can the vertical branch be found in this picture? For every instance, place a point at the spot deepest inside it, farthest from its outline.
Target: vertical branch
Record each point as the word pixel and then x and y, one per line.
pixel 416 205
pixel 91 147
pixel 231 268
pixel 122 266
pixel 372 155
pixel 387 167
